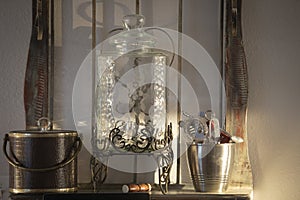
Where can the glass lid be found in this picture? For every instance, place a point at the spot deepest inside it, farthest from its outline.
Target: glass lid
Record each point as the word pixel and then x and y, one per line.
pixel 133 37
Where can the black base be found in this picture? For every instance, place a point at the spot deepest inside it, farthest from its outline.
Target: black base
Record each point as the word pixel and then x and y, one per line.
pixel 98 196
pixel 82 196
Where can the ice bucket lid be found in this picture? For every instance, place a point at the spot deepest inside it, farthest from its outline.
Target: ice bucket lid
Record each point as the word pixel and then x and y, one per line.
pixel 43 129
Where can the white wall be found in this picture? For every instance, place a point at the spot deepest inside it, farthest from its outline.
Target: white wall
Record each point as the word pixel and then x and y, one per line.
pixel 15 22
pixel 271 31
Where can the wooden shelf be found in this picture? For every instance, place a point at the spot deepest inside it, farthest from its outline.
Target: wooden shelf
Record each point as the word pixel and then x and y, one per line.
pixel 113 192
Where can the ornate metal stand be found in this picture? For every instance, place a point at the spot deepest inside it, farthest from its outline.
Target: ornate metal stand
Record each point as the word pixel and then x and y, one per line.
pixel 160 149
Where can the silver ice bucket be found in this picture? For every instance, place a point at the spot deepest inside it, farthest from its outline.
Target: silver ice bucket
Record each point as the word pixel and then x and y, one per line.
pixel 42 161
pixel 210 166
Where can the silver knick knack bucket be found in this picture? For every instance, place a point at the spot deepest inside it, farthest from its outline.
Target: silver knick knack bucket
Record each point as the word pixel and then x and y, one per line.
pixel 211 166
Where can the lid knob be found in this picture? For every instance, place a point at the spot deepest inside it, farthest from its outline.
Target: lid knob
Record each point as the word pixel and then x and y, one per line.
pixel 133 21
pixel 44 124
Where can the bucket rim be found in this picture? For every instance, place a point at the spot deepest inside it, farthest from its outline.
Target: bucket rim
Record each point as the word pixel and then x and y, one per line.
pixel 36 133
pixel 218 145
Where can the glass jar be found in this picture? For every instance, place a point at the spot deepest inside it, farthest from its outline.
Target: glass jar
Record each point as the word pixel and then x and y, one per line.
pixel 130 101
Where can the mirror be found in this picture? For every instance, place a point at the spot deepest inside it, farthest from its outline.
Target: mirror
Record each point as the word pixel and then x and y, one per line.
pixel 77 27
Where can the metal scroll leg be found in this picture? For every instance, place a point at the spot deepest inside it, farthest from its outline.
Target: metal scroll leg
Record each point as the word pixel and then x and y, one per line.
pixel 98 171
pixel 164 161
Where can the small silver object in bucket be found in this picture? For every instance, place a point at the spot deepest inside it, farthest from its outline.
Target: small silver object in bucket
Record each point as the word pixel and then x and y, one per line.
pixel 42 160
pixel 210 166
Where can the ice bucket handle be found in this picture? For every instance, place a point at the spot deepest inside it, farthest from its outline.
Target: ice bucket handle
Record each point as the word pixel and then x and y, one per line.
pixel 14 162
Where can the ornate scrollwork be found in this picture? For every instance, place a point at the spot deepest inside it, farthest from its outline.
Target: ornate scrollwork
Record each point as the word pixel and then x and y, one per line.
pixel 98 171
pixel 164 162
pixel 142 141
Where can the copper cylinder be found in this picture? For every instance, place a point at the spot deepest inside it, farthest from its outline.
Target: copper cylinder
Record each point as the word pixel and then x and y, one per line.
pixel 144 187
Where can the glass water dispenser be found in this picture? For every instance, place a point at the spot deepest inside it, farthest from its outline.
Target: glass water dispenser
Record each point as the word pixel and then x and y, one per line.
pixel 130 98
